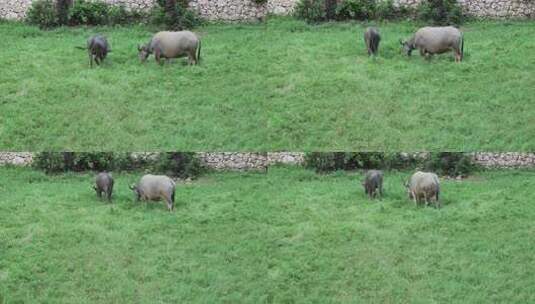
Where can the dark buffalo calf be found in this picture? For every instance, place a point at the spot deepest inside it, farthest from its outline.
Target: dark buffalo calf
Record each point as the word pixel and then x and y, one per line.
pixel 372 39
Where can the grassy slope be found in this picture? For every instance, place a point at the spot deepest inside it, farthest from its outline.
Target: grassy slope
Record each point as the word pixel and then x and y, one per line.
pixel 278 85
pixel 286 237
pixel 332 95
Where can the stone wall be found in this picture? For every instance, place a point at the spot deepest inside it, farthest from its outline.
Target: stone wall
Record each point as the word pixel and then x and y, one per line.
pixel 234 160
pixel 229 10
pixel 505 160
pixel 14 9
pixel 16 158
pixel 489 8
pixel 261 161
pixel 224 10
pixel 286 158
pixel 248 10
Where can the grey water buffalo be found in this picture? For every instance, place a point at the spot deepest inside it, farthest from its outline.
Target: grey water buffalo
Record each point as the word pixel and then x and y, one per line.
pixel 155 187
pixel 169 45
pixel 372 39
pixel 104 184
pixel 436 40
pixel 373 183
pixel 97 49
pixel 424 186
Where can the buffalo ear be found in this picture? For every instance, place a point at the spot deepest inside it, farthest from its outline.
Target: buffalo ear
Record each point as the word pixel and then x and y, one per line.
pixel 139 47
pixel 132 187
pixel 401 41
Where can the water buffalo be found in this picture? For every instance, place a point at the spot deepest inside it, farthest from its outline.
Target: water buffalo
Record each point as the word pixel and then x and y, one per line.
pixel 154 188
pixel 436 40
pixel 97 49
pixel 372 39
pixel 172 45
pixel 104 184
pixel 424 185
pixel 373 183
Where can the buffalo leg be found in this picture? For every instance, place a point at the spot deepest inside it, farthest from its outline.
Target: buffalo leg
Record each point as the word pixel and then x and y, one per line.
pixel 381 191
pixel 458 56
pixel 191 59
pixel 169 204
pixel 157 56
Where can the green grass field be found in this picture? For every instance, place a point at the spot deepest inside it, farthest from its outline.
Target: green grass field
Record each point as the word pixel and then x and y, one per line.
pixel 281 84
pixel 288 236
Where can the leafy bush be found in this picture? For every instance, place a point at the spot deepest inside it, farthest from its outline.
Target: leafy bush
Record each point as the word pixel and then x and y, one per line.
pixel 259 1
pixel 62 7
pixel 440 12
pixel 176 17
pixel 312 11
pixel 356 9
pixel 54 162
pixel 50 162
pixel 450 164
pixel 332 161
pixel 46 14
pixel 118 14
pixel 385 10
pixel 43 13
pixel 89 13
pixel 400 161
pixel 179 164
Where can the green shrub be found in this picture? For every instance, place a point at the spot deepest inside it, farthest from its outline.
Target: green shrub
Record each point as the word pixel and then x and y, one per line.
pixel 54 162
pixel 259 1
pixel 62 7
pixel 179 164
pixel 89 13
pixel 312 11
pixel 450 164
pixel 400 161
pixel 440 12
pixel 118 14
pixel 331 161
pixel 356 9
pixel 50 162
pixel 385 10
pixel 46 14
pixel 43 13
pixel 179 18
